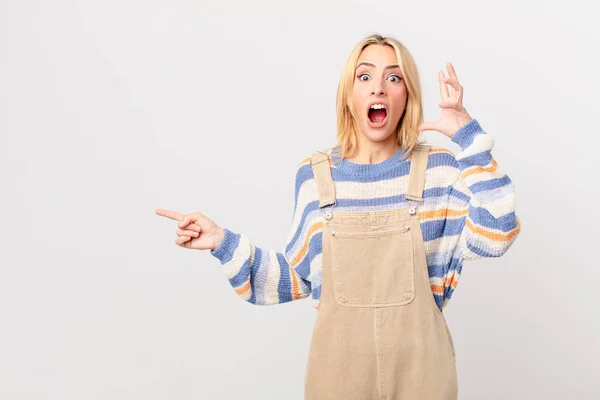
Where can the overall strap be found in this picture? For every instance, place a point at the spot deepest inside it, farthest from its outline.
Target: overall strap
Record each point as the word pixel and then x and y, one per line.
pixel 418 167
pixel 322 171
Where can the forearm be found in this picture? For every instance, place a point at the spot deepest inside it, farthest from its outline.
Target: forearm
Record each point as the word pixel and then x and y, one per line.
pixel 261 277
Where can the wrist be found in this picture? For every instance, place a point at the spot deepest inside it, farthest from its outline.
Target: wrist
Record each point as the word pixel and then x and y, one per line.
pixel 219 236
pixel 465 135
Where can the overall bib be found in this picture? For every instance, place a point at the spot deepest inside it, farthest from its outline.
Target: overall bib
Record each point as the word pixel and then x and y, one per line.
pixel 379 333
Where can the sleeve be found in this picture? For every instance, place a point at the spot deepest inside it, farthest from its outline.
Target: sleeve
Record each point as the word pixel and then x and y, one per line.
pixel 484 195
pixel 262 276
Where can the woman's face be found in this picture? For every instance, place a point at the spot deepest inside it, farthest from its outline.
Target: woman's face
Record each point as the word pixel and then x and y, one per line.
pixel 378 81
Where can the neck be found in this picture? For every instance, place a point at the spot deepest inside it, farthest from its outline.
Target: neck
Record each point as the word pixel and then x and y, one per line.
pixel 370 152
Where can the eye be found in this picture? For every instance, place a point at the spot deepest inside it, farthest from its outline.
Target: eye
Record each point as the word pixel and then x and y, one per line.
pixel 396 77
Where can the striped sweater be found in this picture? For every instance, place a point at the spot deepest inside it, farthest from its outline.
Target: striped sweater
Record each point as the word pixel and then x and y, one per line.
pixel 468 213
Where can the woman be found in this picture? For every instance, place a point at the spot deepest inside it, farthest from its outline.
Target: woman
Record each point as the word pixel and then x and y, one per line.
pixel 382 224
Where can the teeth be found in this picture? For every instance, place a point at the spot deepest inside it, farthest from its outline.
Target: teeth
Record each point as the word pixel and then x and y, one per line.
pixel 377 106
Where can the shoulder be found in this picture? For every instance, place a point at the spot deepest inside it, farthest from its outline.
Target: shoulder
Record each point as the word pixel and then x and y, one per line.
pixel 304 169
pixel 306 161
pixel 304 172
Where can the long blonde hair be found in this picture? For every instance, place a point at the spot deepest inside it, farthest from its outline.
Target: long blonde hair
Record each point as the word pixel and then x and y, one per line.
pixel 407 134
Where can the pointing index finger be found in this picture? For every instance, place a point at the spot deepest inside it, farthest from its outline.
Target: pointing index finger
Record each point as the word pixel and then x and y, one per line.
pixel 169 214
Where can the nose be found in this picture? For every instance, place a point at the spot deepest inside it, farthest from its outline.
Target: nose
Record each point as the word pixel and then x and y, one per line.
pixel 377 86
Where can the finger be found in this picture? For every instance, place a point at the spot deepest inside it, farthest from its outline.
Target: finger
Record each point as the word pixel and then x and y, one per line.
pixel 187 219
pixel 169 214
pixel 455 87
pixel 427 126
pixel 185 232
pixel 191 219
pixel 194 227
pixel 181 240
pixel 460 96
pixel 455 82
pixel 452 72
pixel 443 88
pixel 449 105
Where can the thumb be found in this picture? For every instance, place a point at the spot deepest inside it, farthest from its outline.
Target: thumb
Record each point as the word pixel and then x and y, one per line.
pixel 427 126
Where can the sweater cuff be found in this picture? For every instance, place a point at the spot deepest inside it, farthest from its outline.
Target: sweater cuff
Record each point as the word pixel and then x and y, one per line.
pixel 227 246
pixel 465 135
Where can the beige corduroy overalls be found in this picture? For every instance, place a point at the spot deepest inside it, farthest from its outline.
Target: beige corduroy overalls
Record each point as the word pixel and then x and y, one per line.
pixel 379 333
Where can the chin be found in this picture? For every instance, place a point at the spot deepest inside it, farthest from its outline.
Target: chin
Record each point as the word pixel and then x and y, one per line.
pixel 377 136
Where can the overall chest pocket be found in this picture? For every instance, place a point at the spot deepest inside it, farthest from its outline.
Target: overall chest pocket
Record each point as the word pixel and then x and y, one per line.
pixel 373 269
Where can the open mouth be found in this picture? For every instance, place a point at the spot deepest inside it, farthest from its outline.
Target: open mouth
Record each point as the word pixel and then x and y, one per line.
pixel 377 115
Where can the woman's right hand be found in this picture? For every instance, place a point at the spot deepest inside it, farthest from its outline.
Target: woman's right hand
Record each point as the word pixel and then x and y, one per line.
pixel 195 230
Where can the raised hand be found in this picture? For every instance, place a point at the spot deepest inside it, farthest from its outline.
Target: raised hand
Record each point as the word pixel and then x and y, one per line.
pixel 454 115
pixel 195 231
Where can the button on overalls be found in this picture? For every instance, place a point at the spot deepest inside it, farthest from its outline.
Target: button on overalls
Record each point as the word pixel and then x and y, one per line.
pixel 379 333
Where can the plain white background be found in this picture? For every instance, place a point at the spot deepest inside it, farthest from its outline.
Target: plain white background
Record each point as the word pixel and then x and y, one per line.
pixel 110 109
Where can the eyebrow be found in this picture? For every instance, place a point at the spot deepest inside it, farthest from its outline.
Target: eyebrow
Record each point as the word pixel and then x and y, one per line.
pixel 371 65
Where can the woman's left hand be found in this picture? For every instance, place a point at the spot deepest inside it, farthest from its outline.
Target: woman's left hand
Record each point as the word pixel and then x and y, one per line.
pixel 454 115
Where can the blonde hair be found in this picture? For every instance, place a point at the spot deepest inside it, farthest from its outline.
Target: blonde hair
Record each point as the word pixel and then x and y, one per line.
pixel 407 134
